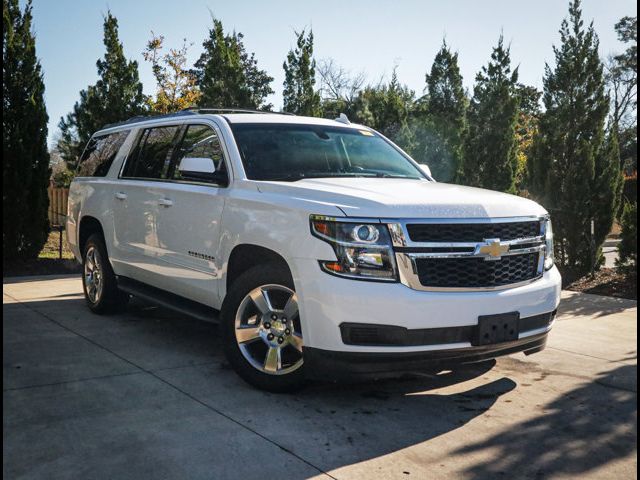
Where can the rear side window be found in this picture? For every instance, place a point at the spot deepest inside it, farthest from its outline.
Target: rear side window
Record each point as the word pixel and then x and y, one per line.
pixel 201 141
pixel 151 158
pixel 100 153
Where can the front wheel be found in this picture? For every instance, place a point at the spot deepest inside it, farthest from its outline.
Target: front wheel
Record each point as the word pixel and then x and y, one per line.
pixel 262 330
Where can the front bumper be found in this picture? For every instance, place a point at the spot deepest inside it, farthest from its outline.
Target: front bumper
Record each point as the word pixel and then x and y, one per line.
pixel 327 302
pixel 332 365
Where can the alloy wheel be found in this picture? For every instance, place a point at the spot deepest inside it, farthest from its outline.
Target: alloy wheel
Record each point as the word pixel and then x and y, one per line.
pixel 268 330
pixel 93 274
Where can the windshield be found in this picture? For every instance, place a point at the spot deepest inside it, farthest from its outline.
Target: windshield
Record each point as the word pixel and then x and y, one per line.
pixel 293 152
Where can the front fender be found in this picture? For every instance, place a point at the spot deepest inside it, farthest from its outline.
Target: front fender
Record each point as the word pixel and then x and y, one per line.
pixel 275 222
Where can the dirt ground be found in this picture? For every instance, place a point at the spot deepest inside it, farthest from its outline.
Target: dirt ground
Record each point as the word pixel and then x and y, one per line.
pixel 609 282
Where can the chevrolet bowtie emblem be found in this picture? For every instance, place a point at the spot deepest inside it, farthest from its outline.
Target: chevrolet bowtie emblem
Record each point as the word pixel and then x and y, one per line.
pixel 492 249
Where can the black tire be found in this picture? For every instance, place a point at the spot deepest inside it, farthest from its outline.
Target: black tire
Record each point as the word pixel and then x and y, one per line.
pixel 110 299
pixel 255 277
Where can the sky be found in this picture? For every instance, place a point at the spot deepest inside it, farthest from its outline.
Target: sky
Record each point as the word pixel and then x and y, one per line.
pixel 370 36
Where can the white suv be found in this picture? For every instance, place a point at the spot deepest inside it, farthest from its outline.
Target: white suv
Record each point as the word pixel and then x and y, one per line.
pixel 321 247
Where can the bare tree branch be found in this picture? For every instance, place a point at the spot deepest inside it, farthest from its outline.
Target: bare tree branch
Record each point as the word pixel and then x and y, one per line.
pixel 622 84
pixel 337 83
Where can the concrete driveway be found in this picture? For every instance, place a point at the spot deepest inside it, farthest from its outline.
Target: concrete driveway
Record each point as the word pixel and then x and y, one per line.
pixel 147 394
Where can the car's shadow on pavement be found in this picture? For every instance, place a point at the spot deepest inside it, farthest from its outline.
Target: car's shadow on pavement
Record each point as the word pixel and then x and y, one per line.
pixel 332 424
pixel 349 423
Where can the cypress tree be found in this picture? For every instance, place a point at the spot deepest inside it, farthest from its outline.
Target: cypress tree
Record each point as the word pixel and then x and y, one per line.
pixel 394 110
pixel 607 185
pixel 386 108
pixel 627 30
pixel 490 150
pixel 228 76
pixel 299 95
pixel 526 130
pixel 25 160
pixel 628 248
pixel 116 96
pixel 571 171
pixel 441 128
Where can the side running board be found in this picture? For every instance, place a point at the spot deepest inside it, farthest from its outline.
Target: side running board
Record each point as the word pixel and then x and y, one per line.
pixel 168 300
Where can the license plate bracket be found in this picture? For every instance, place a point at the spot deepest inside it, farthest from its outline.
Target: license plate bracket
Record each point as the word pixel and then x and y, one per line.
pixel 500 328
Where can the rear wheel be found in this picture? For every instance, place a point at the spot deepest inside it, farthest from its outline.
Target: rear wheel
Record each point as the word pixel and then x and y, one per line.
pixel 98 280
pixel 262 330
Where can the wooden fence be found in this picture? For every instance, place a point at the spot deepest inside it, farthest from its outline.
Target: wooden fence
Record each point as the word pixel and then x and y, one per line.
pixel 58 198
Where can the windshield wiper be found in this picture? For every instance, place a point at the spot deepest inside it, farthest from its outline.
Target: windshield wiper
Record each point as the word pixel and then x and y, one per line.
pixel 294 177
pixel 395 175
pixel 385 174
pixel 284 178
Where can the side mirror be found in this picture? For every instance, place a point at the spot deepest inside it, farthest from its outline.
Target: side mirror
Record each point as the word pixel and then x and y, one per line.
pixel 425 169
pixel 201 169
pixel 196 165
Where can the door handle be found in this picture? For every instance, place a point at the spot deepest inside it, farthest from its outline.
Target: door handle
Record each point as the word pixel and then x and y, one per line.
pixel 121 196
pixel 165 202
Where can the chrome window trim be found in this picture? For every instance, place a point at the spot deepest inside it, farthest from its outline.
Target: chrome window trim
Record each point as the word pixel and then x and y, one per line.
pixel 182 126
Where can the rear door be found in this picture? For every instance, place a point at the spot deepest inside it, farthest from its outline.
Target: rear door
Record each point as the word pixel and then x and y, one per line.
pixel 136 200
pixel 188 222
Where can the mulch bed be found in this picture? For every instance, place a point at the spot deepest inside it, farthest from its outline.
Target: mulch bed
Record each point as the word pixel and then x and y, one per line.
pixel 608 281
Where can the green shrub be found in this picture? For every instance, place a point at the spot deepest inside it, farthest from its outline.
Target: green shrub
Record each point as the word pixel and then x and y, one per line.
pixel 62 178
pixel 628 248
pixel 630 190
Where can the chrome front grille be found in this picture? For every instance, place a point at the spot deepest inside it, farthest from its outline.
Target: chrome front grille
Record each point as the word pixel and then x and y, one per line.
pixel 469 254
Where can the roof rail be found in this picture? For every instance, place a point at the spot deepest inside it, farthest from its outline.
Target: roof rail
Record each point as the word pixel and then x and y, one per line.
pixel 220 110
pixel 230 110
pixel 188 111
pixel 142 118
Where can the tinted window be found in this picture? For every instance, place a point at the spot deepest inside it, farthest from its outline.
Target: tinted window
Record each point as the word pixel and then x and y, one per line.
pixel 294 152
pixel 151 157
pixel 201 141
pixel 100 153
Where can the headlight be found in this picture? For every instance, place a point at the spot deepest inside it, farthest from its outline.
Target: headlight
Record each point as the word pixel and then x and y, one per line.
pixel 548 240
pixel 363 250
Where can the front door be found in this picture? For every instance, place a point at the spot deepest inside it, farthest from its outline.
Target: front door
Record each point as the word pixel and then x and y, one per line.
pixel 189 216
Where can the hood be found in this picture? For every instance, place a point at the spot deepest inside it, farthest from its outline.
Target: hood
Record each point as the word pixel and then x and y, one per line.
pixel 404 198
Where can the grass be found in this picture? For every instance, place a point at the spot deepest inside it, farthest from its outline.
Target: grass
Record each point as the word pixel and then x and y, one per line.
pixel 51 249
